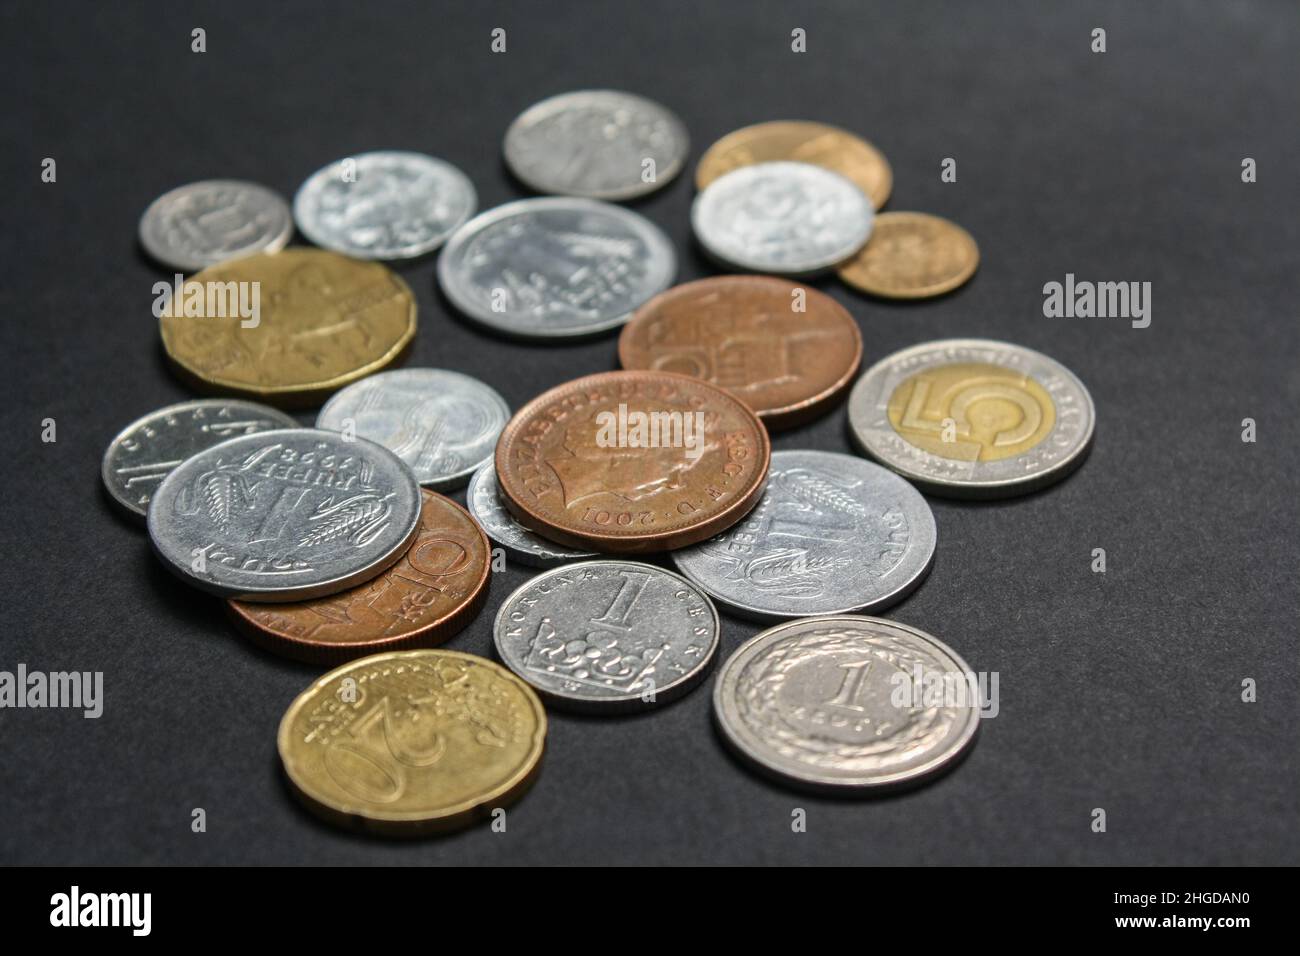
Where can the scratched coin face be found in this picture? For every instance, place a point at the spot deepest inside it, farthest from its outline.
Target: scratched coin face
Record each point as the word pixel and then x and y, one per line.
pixel 831 535
pixel 608 636
pixel 146 451
pixel 204 223
pixel 484 500
pixel 846 703
pixel 444 425
pixel 284 515
pixel 912 255
pixel 412 742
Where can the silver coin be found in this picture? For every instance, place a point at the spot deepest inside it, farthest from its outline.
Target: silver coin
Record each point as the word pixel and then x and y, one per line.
pixel 973 418
pixel 847 703
pixel 384 205
pixel 484 500
pixel 444 425
pixel 285 515
pixel 555 267
pixel 144 452
pixel 203 223
pixel 608 635
pixel 782 218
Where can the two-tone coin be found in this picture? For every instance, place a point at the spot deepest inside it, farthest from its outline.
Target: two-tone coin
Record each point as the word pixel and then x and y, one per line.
pixel 205 223
pixel 483 498
pixel 912 255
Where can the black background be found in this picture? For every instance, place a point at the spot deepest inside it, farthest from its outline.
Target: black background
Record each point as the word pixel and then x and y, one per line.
pixel 1119 691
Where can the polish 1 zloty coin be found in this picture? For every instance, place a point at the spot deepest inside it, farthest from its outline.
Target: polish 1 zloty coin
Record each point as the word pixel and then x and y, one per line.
pixel 442 424
pixel 484 501
pixel 555 267
pixel 145 451
pixel 973 418
pixel 204 223
pixel 832 534
pixel 609 636
pixel 782 218
pixel 845 704
pixel 387 205
pixel 285 515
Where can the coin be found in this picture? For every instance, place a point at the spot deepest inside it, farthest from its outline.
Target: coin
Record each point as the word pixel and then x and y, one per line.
pixel 801 142
pixel 782 218
pixel 788 351
pixel 384 205
pixel 324 321
pixel 600 144
pixel 833 703
pixel 412 742
pixel 627 462
pixel 554 267
pixel 145 451
pixel 435 589
pixel 444 425
pixel 284 515
pixel 832 534
pixel 608 636
pixel 973 418
pixel 204 223
pixel 912 255
pixel 484 501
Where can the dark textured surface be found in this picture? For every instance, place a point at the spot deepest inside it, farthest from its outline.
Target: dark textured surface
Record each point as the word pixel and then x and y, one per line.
pixel 1119 691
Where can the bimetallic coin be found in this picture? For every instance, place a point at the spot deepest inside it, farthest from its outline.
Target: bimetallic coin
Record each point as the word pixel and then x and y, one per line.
pixel 412 742
pixel 600 144
pixel 444 425
pixel 608 636
pixel 204 223
pixel 484 501
pixel 555 268
pixel 845 704
pixel 145 451
pixel 284 515
pixel 384 205
pixel 832 534
pixel 782 218
pixel 912 255
pixel 972 418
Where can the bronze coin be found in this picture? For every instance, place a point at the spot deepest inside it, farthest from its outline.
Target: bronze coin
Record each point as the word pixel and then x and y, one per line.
pixel 787 350
pixel 426 597
pixel 912 255
pixel 631 462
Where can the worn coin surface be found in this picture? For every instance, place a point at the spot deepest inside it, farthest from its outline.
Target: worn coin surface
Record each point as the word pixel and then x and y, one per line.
pixel 845 703
pixel 627 462
pixel 789 351
pixel 412 742
pixel 322 321
pixel 832 534
pixel 912 255
pixel 484 501
pixel 555 267
pixel 608 636
pixel 145 451
pixel 782 218
pixel 973 418
pixel 204 223
pixel 284 515
pixel 388 204
pixel 444 425
pixel 600 144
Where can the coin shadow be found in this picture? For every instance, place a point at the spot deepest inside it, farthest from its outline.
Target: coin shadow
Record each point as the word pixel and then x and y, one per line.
pixel 196 607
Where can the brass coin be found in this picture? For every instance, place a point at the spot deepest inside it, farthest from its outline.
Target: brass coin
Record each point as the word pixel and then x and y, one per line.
pixel 912 255
pixel 801 142
pixel 412 742
pixel 322 321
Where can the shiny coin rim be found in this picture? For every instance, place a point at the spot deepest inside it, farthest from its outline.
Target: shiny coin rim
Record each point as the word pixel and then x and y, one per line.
pixel 548 553
pixel 844 271
pixel 161 256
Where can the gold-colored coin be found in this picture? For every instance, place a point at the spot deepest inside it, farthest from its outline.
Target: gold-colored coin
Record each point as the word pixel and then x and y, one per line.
pixel 289 327
pixel 412 742
pixel 801 142
pixel 912 255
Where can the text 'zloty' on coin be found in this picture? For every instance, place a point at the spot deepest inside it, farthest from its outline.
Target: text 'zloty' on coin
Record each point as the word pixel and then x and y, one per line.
pixel 205 223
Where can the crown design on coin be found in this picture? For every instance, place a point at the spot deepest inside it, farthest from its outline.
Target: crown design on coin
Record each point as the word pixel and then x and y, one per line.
pixel 595 660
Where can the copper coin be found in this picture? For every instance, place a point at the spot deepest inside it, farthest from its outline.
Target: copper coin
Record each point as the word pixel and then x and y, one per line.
pixel 430 594
pixel 631 462
pixel 787 350
pixel 912 255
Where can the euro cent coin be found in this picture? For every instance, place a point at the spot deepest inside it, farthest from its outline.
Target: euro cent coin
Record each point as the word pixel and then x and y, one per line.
pixel 912 255
pixel 202 224
pixel 483 498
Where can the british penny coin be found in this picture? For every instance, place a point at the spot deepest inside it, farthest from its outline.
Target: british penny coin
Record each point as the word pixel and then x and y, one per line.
pixel 315 322
pixel 204 223
pixel 483 499
pixel 912 255
pixel 428 596
pixel 787 350
pixel 412 742
pixel 631 462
